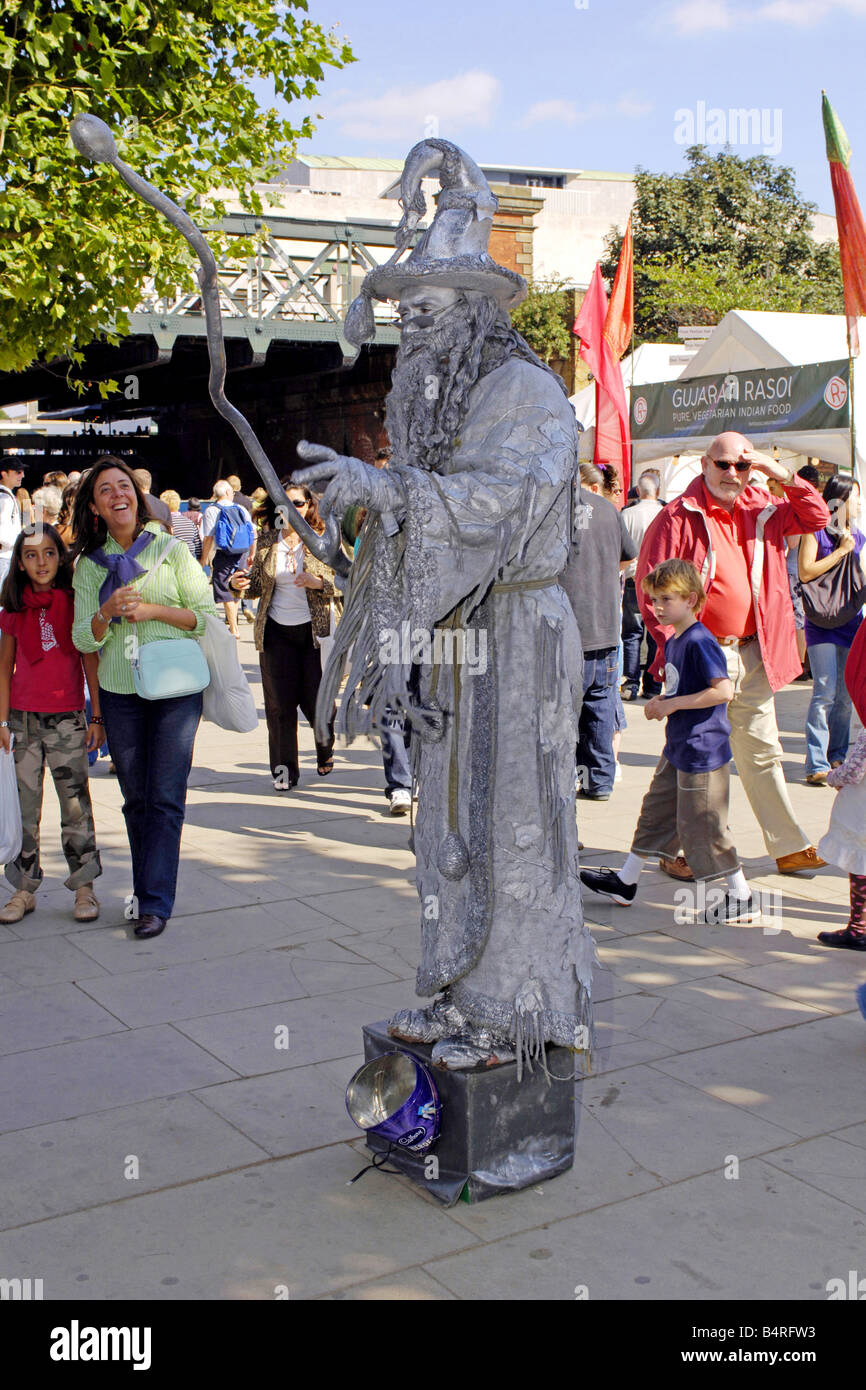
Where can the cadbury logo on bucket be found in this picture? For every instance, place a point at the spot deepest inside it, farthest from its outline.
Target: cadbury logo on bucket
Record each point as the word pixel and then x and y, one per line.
pixel 395 1097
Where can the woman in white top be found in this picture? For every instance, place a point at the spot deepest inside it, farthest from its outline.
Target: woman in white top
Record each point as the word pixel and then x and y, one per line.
pixel 296 591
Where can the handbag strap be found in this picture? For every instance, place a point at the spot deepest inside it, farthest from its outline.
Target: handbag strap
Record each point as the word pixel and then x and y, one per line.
pixel 167 550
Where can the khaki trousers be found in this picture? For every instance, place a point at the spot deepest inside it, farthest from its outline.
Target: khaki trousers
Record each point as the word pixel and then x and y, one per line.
pixel 758 752
pixel 688 811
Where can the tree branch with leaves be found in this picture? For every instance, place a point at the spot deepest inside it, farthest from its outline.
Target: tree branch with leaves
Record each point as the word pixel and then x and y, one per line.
pixel 173 83
pixel 544 318
pixel 729 233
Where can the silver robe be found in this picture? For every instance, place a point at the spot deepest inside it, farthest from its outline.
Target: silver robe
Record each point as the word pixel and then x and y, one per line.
pixel 482 546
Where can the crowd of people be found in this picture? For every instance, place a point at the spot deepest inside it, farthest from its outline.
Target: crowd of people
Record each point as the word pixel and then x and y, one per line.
pixel 97 574
pixel 704 606
pixel 714 595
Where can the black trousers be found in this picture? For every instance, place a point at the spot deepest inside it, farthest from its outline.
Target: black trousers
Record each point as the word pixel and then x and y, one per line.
pixel 291 672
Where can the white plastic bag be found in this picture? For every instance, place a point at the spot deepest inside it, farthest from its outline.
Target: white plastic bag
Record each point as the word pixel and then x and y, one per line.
pixel 228 700
pixel 326 643
pixel 10 808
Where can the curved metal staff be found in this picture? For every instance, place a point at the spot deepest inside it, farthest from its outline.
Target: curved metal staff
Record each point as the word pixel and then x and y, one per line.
pixel 93 139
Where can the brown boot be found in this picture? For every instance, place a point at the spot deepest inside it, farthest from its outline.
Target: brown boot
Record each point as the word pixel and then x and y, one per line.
pixel 18 906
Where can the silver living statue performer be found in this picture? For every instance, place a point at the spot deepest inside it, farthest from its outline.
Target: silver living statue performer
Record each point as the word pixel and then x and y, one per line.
pixel 457 620
pixel 455 615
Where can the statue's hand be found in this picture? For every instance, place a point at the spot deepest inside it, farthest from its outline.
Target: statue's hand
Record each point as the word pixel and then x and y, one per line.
pixel 350 482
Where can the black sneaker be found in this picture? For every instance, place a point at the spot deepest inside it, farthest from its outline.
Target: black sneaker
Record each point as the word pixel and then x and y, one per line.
pixel 730 910
pixel 608 883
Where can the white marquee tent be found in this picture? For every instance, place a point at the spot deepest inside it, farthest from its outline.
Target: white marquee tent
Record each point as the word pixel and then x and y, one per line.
pixel 746 339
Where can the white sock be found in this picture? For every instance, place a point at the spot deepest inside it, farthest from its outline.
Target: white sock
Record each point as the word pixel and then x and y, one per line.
pixel 630 871
pixel 737 885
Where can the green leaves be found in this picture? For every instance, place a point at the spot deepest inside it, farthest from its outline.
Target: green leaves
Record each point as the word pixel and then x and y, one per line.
pixel 544 318
pixel 676 294
pixel 730 233
pixel 76 248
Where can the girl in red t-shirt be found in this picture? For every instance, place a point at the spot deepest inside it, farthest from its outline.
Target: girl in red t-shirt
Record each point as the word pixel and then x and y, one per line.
pixel 42 705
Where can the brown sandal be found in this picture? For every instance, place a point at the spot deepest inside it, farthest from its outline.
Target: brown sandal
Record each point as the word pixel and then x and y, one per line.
pixel 86 905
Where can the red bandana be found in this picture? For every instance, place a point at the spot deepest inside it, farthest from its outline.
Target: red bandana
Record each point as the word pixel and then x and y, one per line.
pixel 47 623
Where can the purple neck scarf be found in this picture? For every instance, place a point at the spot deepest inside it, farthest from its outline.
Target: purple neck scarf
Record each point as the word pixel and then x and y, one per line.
pixel 122 568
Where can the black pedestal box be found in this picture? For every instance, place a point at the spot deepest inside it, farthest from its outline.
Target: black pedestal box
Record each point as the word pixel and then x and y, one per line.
pixel 498 1134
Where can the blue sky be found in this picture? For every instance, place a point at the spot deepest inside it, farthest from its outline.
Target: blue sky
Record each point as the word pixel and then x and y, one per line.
pixel 596 84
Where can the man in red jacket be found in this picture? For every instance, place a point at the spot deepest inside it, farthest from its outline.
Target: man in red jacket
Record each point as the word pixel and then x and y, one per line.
pixel 735 533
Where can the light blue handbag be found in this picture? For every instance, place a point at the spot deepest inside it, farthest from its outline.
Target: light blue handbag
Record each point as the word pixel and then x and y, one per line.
pixel 171 667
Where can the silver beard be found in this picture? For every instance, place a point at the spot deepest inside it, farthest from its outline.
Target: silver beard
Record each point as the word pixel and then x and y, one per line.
pixel 436 369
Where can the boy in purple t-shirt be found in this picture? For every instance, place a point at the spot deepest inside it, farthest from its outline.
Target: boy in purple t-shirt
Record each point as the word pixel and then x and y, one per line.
pixel 686 806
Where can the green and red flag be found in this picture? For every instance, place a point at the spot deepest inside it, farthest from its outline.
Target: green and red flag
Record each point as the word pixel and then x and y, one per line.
pixel 849 223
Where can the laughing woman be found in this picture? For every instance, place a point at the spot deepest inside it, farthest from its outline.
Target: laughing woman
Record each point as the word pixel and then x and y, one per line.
pixel 151 739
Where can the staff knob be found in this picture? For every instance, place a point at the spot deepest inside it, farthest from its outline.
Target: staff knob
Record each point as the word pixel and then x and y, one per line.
pixel 92 138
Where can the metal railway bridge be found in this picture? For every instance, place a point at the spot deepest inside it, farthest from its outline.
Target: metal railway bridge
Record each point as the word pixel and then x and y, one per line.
pixel 296 288
pixel 290 369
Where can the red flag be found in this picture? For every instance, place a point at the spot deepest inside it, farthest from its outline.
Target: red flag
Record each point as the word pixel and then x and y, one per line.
pixel 619 324
pixel 589 324
pixel 612 436
pixel 849 223
pixel 600 325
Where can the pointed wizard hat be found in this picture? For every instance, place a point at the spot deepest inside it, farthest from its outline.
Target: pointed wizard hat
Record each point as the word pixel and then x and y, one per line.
pixel 453 250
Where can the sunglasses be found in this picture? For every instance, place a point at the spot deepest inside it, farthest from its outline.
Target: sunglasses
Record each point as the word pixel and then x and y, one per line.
pixel 424 320
pixel 741 466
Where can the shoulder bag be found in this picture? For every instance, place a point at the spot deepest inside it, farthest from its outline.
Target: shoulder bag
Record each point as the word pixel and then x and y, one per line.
pixel 168 668
pixel 835 597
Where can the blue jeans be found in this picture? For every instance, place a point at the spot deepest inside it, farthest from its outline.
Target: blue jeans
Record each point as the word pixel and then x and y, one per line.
pixel 633 630
pixel 151 744
pixel 395 753
pixel 595 760
pixel 828 722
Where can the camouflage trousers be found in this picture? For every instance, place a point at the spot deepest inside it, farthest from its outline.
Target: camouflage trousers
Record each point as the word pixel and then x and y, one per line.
pixel 58 740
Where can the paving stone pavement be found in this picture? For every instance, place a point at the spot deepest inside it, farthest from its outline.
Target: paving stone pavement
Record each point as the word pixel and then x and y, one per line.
pixel 171 1112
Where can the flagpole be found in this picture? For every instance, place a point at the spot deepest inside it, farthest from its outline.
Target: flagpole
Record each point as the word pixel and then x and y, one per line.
pixel 851 408
pixel 630 408
pixel 851 227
